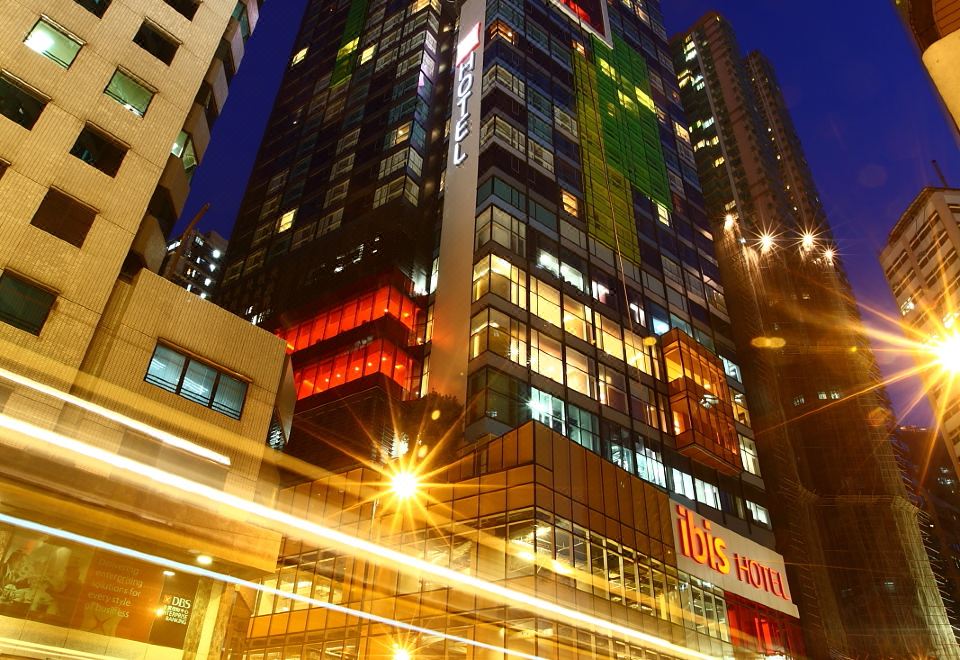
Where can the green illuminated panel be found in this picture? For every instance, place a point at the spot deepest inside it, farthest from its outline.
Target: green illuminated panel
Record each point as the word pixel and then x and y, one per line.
pixel 620 142
pixel 348 44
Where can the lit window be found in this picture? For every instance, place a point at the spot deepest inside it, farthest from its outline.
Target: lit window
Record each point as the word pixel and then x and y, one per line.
pixel 23 304
pixel 300 56
pixel 758 514
pixel 570 203
pixel 286 221
pixel 546 356
pixel 128 92
pixel 183 149
pixel 54 42
pixel 748 455
pixel 368 54
pixel 663 215
pixel 196 381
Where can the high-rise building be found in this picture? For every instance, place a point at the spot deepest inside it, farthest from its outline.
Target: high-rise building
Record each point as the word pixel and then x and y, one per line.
pixel 932 481
pixel 844 523
pixel 934 24
pixel 194 261
pixel 498 204
pixel 111 375
pixel 919 262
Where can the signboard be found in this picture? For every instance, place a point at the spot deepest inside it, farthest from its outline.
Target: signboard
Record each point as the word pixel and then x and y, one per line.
pixel 75 586
pixel 454 276
pixel 466 77
pixel 734 563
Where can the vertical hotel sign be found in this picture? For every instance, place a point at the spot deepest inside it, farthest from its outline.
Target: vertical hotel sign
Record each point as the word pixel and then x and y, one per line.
pixel 451 307
pixel 467 75
pixel 730 561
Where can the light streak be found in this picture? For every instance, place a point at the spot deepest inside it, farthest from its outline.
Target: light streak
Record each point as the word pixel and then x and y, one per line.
pixel 283 523
pixel 224 577
pixel 136 425
pixel 51 651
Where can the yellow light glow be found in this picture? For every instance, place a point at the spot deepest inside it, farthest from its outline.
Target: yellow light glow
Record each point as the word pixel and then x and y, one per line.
pixel 828 254
pixel 728 222
pixel 947 353
pixel 404 484
pixel 400 653
pixel 766 242
pixel 807 241
pixel 204 560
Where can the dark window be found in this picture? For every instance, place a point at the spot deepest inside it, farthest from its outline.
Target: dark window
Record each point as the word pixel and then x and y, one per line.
pixel 64 217
pixel 186 8
pixel 19 105
pixel 95 148
pixel 22 304
pixel 95 7
pixel 196 381
pixel 156 42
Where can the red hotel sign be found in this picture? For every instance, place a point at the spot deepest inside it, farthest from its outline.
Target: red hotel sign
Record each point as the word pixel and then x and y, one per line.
pixel 736 564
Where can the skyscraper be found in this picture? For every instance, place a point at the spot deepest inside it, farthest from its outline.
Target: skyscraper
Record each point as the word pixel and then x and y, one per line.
pixel 500 205
pixel 844 522
pixel 110 374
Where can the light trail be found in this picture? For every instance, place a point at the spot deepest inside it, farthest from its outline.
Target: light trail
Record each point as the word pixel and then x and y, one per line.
pixel 51 651
pixel 224 577
pixel 284 523
pixel 158 434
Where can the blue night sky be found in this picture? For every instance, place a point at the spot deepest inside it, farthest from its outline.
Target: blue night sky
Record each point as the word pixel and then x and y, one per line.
pixel 868 117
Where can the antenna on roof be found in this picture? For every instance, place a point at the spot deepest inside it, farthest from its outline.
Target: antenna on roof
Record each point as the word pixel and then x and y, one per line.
pixel 943 179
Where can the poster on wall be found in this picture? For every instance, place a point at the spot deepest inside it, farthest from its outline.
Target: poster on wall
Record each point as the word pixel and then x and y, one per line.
pixel 51 581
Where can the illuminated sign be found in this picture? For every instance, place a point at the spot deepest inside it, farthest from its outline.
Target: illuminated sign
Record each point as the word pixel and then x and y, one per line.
pixel 734 563
pixel 466 65
pixel 589 14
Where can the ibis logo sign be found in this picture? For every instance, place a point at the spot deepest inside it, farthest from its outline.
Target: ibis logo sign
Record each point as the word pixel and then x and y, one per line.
pixel 734 563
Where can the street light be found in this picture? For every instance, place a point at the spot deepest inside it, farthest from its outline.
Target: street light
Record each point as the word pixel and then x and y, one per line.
pixel 404 484
pixel 946 352
pixel 400 653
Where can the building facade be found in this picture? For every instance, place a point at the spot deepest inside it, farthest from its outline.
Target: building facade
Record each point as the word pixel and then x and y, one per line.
pixel 845 524
pixel 520 512
pixel 104 377
pixel 498 206
pixel 919 262
pixel 194 261
pixel 932 481
pixel 933 26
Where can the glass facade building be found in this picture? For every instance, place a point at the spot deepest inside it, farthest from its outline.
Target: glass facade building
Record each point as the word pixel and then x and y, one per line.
pixel 500 205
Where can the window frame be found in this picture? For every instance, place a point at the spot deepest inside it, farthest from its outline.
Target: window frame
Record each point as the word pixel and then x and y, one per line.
pixel 190 358
pixel 8 273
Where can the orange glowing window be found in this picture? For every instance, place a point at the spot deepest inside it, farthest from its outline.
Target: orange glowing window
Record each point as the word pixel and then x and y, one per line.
pixel 351 314
pixel 377 356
